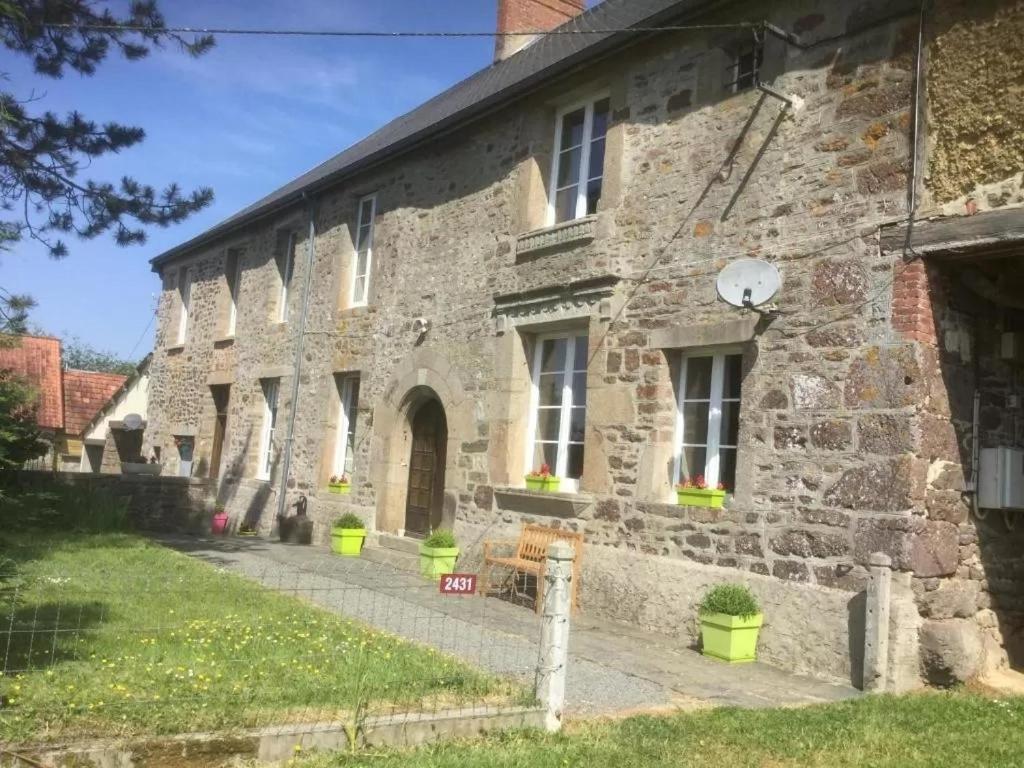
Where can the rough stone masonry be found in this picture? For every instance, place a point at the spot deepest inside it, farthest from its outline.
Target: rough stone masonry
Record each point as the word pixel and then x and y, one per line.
pixel 839 385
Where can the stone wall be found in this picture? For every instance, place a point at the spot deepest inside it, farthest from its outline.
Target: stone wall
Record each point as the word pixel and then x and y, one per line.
pixel 830 462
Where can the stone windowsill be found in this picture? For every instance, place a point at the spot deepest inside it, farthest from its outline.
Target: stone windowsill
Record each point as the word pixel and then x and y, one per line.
pixel 354 311
pixel 224 341
pixel 565 235
pixel 560 505
pixel 175 349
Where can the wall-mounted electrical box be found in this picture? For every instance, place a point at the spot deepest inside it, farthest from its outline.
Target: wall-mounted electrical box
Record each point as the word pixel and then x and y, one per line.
pixel 1001 478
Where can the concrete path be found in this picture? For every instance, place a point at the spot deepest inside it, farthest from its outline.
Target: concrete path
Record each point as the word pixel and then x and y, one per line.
pixel 613 668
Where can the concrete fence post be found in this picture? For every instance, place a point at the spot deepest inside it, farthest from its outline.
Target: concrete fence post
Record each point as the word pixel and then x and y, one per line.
pixel 554 652
pixel 876 623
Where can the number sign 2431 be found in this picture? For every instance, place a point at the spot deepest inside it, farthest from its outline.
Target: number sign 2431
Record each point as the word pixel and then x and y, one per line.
pixel 458 584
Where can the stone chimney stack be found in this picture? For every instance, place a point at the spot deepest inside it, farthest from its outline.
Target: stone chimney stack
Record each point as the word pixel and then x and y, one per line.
pixel 530 15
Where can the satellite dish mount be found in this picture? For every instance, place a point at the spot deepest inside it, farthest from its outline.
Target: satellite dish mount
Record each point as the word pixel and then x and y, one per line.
pixel 748 284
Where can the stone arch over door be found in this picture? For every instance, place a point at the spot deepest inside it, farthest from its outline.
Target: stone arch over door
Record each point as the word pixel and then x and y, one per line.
pixel 423 377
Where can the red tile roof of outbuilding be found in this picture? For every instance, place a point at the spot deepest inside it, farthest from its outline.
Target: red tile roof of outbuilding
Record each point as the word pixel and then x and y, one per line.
pixel 85 392
pixel 37 359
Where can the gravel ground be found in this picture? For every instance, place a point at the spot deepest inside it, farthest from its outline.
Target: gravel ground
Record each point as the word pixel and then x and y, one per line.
pixel 612 669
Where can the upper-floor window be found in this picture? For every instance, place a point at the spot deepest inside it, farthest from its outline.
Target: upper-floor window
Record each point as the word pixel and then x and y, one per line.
pixel 363 256
pixel 185 298
pixel 233 275
pixel 286 265
pixel 559 407
pixel 746 65
pixel 709 418
pixel 348 403
pixel 578 165
pixel 266 455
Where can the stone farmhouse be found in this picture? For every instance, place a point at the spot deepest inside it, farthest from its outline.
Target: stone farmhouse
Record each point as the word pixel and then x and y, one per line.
pixel 523 271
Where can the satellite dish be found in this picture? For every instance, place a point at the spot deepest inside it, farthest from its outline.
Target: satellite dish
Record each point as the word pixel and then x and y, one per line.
pixel 131 421
pixel 748 282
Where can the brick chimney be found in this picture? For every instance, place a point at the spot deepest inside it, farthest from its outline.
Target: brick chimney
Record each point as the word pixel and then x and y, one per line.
pixel 530 15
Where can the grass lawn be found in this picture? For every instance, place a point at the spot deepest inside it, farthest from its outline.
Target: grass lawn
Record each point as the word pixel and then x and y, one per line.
pixel 947 730
pixel 105 634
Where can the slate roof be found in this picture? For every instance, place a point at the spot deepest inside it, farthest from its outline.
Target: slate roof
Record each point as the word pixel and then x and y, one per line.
pixel 37 359
pixel 478 94
pixel 85 393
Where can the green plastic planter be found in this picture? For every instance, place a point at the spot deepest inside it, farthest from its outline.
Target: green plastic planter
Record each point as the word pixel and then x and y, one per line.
pixel 347 542
pixel 342 488
pixel 700 497
pixel 549 484
pixel 435 562
pixel 730 638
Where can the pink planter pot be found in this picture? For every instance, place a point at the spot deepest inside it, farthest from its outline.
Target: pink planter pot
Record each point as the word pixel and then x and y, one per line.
pixel 220 523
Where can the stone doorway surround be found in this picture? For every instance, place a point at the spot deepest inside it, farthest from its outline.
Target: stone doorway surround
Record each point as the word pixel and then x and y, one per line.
pixel 425 375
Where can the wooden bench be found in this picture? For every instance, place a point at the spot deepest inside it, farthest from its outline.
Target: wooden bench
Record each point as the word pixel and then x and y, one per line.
pixel 530 556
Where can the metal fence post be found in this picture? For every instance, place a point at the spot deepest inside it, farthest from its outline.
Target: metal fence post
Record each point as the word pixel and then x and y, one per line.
pixel 876 623
pixel 554 652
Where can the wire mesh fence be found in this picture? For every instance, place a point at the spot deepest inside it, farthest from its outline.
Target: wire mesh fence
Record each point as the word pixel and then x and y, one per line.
pixel 113 636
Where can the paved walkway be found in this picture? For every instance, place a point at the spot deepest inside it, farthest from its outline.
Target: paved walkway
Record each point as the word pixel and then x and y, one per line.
pixel 613 668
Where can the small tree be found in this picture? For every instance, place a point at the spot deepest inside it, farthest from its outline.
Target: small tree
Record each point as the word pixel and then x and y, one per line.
pixel 20 439
pixel 83 357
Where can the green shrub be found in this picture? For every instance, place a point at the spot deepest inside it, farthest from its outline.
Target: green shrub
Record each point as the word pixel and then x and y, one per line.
pixel 349 521
pixel 441 539
pixel 732 600
pixel 71 507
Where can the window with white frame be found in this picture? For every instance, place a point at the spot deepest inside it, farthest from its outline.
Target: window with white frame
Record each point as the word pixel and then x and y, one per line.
pixel 348 403
pixel 233 274
pixel 185 297
pixel 362 260
pixel 709 417
pixel 578 165
pixel 559 407
pixel 286 266
pixel 266 456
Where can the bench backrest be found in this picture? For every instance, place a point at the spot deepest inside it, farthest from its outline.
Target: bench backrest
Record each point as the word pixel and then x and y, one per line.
pixel 534 540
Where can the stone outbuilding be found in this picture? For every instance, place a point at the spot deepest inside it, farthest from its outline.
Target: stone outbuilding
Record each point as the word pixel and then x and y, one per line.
pixel 522 271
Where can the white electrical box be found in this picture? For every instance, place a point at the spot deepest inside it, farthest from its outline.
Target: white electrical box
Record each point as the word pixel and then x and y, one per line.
pixel 1001 478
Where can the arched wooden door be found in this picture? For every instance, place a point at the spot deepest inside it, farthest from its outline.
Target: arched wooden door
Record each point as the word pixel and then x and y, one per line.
pixel 426 470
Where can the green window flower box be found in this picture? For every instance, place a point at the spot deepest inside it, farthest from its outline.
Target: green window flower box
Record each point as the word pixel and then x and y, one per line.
pixel 547 484
pixel 342 488
pixel 700 497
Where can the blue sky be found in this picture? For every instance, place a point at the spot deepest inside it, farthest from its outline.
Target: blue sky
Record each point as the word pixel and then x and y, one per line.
pixel 245 118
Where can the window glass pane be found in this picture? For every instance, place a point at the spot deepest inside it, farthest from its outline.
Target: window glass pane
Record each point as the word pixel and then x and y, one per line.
pixel 733 376
pixel 544 453
pixel 572 129
pixel 359 293
pixel 596 169
pixel 364 237
pixel 698 378
pixel 577 424
pixel 730 423
pixel 593 195
pixel 565 204
pixel 692 464
pixel 727 468
pixel 579 388
pixel 695 422
pixel 580 355
pixel 602 109
pixel 550 387
pixel 574 463
pixel 365 211
pixel 548 422
pixel 569 167
pixel 552 355
pixel 361 262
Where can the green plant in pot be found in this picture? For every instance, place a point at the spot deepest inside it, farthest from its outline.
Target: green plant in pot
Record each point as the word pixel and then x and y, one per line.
pixel 347 535
pixel 339 484
pixel 730 619
pixel 542 480
pixel 695 493
pixel 438 554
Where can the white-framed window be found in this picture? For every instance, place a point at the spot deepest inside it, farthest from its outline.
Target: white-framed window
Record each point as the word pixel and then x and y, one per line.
pixel 233 274
pixel 266 455
pixel 709 417
pixel 362 258
pixel 287 267
pixel 348 404
pixel 577 170
pixel 185 297
pixel 746 65
pixel 558 409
